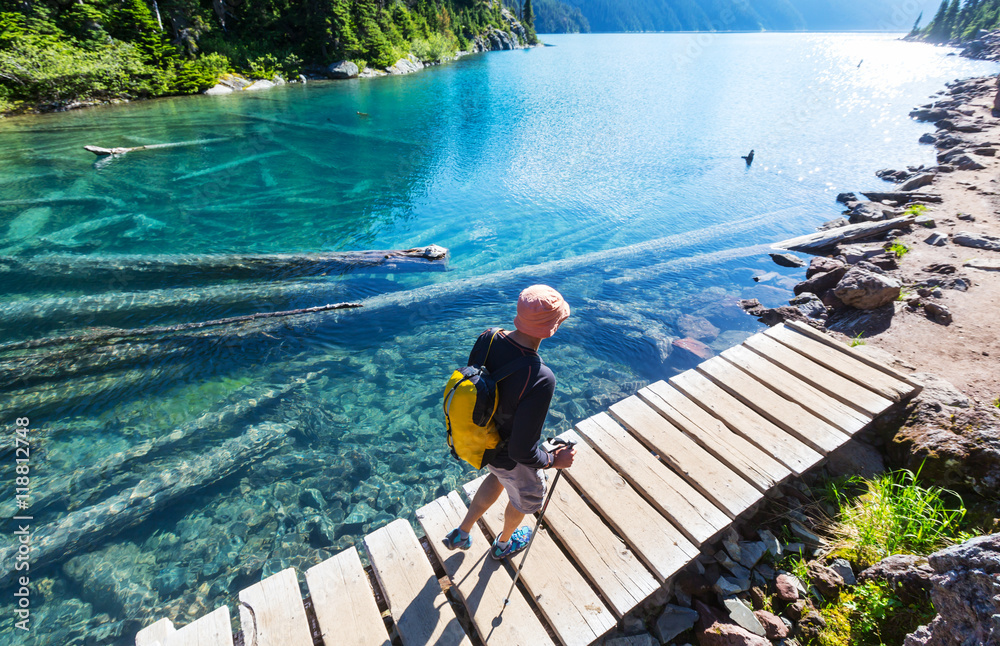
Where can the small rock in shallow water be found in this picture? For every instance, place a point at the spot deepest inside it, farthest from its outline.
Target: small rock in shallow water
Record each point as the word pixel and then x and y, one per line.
pixel 787 260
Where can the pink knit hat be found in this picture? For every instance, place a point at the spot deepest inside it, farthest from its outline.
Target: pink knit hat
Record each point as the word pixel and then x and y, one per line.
pixel 540 310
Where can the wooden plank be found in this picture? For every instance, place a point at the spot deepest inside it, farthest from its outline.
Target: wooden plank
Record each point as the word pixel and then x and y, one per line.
pixel 610 565
pixel 755 465
pixel 345 603
pixel 214 629
pixel 789 386
pixel 689 511
pixel 802 328
pixel 416 601
pixel 786 414
pixel 843 365
pixel 156 633
pixel 701 469
pixel 842 389
pixel 659 544
pixel 479 581
pixel 272 612
pixel 567 601
pixel 786 449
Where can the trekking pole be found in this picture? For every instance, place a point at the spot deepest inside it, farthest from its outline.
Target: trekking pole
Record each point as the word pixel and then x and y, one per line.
pixel 517 575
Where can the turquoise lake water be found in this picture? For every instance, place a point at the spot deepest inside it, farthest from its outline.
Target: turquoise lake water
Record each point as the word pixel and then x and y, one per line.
pixel 530 166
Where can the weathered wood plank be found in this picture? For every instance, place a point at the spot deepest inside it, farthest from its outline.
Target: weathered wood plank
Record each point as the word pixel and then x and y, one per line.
pixel 833 343
pixel 755 465
pixel 156 633
pixel 621 577
pixel 479 581
pixel 214 629
pixel 689 511
pixel 865 401
pixel 564 597
pixel 271 612
pixel 786 449
pixel 416 601
pixel 661 546
pixel 345 603
pixel 717 482
pixel 786 414
pixel 791 387
pixel 843 365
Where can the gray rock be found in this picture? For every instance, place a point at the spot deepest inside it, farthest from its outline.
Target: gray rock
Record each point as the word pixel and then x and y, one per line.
pixel 697 327
pixel 643 639
pixel 967 217
pixel 302 79
pixel 907 573
pixel 723 558
pixel 843 568
pixel 278 80
pixel 218 89
pixel 407 65
pixel 673 621
pixel 787 260
pixel 925 221
pixel 727 587
pixel 256 86
pixel 342 70
pixel 937 239
pixel 977 241
pixel 743 616
pixel 856 458
pixel 966 594
pixel 865 290
pixel 940 391
pixel 731 543
pixel 825 580
pixel 921 180
pixel 770 542
pixel 985 264
pixel 803 533
pixel 964 162
pixel 751 552
pixel 312 498
pixel 938 313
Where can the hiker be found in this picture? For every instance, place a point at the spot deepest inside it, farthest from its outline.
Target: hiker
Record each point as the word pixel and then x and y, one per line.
pixel 523 401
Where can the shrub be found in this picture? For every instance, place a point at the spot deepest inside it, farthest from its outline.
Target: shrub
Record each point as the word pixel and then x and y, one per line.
pixel 436 47
pixel 915 209
pixel 899 249
pixel 895 515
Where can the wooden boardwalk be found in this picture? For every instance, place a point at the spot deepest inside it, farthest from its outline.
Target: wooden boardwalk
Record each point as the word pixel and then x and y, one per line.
pixel 656 476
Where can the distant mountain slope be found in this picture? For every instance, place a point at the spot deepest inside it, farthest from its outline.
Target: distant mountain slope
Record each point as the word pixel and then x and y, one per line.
pixel 725 15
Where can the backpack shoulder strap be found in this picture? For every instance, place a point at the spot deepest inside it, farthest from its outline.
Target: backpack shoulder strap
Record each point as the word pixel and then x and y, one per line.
pixel 480 360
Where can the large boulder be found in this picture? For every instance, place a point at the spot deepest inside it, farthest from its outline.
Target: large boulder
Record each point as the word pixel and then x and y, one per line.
pixel 966 594
pixel 866 290
pixel 908 574
pixel 342 70
pixel 919 181
pixel 407 65
pixel 954 443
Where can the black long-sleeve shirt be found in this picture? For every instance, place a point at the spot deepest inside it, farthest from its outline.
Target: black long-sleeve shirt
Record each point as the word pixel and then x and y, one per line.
pixel 523 402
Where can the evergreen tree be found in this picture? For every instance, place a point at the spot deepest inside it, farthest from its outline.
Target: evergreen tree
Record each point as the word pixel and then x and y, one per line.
pixel 937 31
pixel 951 19
pixel 529 23
pixel 916 25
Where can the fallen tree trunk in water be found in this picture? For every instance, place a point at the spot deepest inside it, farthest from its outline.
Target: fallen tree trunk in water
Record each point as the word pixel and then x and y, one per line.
pixel 101 152
pixel 40 314
pixel 119 469
pixel 905 198
pixel 823 240
pixel 85 528
pixel 176 269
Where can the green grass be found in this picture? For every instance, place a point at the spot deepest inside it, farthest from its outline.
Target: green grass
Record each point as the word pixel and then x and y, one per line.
pixel 916 209
pixel 899 249
pixel 894 515
pixel 871 614
pixel 857 340
pixel 996 402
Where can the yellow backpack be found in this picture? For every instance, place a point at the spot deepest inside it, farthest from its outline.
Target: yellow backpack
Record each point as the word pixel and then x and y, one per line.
pixel 470 402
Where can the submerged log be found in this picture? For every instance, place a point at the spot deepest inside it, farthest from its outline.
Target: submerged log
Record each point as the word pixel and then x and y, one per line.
pixel 101 152
pixel 80 530
pixel 823 240
pixel 173 269
pixel 40 314
pixel 114 335
pixel 123 468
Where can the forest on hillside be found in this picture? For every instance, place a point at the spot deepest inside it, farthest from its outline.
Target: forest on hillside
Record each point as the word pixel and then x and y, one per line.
pixel 957 20
pixel 54 51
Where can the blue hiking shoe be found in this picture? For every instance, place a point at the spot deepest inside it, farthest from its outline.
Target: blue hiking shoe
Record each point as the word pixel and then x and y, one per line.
pixel 454 540
pixel 518 541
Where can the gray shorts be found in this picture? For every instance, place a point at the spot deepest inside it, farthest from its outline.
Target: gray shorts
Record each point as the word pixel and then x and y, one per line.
pixel 525 486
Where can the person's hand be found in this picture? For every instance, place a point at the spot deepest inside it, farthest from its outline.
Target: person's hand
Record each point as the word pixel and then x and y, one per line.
pixel 563 456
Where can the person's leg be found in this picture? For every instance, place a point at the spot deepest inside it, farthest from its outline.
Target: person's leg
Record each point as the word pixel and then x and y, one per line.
pixel 511 520
pixel 488 493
